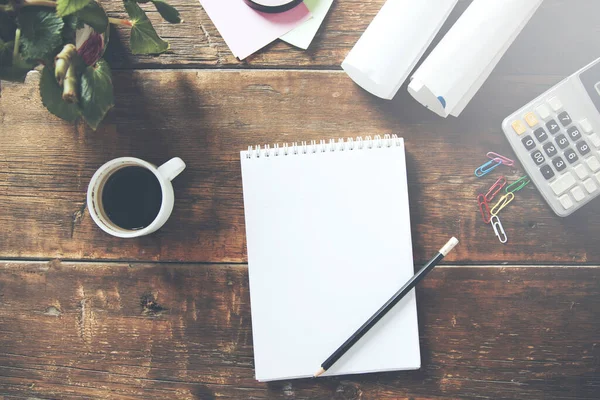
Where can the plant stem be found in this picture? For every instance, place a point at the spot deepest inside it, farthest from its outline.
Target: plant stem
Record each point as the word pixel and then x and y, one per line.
pixel 16 48
pixel 62 62
pixel 70 86
pixel 42 3
pixel 119 21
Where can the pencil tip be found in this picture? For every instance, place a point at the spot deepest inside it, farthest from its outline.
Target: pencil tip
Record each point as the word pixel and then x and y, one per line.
pixel 321 371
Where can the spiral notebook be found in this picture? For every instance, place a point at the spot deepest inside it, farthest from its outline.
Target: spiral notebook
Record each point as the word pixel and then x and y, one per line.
pixel 328 237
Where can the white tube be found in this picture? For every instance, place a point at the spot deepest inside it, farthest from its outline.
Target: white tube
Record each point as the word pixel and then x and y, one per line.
pixel 394 42
pixel 463 60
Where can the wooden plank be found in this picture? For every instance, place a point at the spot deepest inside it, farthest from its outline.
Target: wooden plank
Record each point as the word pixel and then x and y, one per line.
pixel 560 39
pixel 156 331
pixel 206 117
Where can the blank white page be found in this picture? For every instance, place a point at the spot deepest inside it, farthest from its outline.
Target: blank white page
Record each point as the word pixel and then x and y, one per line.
pixel 329 241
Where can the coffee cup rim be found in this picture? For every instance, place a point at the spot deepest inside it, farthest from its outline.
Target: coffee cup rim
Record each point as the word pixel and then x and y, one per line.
pixel 103 221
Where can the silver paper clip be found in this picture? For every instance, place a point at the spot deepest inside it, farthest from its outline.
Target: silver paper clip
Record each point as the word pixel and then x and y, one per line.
pixel 499 229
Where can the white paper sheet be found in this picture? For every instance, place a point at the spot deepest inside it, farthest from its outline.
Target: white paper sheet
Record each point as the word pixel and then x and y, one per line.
pixel 303 35
pixel 246 30
pixel 387 52
pixel 463 60
pixel 329 242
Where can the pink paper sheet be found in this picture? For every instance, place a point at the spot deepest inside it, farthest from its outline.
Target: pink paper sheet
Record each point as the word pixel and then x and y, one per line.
pixel 246 30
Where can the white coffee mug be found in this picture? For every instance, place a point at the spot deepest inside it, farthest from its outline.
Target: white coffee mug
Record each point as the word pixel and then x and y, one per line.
pixel 165 174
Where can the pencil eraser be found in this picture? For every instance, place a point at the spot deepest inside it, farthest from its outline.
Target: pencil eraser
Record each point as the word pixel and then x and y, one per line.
pixel 448 246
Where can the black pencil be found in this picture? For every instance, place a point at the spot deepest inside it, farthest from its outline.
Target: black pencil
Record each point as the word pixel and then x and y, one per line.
pixel 412 282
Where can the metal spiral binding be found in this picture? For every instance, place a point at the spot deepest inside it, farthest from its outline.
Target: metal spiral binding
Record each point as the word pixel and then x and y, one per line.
pixel 322 146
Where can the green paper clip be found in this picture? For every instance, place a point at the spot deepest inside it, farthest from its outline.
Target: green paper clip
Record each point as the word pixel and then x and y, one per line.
pixel 518 184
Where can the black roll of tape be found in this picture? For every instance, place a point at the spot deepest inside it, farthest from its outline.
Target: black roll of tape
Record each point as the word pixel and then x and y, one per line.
pixel 273 6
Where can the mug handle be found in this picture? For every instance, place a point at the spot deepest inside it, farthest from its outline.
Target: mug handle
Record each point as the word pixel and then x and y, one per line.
pixel 171 168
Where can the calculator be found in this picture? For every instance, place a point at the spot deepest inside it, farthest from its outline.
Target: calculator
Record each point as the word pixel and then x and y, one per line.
pixel 557 139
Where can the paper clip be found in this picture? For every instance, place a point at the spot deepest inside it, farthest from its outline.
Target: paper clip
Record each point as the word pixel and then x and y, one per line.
pixel 484 208
pixel 518 184
pixel 487 167
pixel 503 202
pixel 499 229
pixel 505 160
pixel 496 187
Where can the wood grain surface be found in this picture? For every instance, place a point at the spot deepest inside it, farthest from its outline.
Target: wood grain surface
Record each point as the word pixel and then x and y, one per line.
pixel 560 38
pixel 207 117
pixel 155 331
pixel 120 327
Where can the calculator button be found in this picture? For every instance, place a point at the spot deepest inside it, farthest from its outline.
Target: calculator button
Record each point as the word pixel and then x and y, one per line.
pixel 559 164
pixel 581 171
pixel 593 163
pixel 565 118
pixel 566 202
pixel 540 134
pixel 586 126
pixel 595 139
pixel 578 193
pixel 552 126
pixel 555 103
pixel 590 186
pixel 546 170
pixel 550 149
pixel 571 156
pixel 574 133
pixel 531 119
pixel 538 157
pixel 543 111
pixel 583 147
pixel 563 184
pixel 528 142
pixel 597 176
pixel 562 141
pixel 519 127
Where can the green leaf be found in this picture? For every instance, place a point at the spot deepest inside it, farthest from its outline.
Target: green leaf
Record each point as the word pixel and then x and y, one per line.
pixel 95 16
pixel 41 32
pixel 6 49
pixel 12 69
pixel 66 7
pixel 15 72
pixel 96 93
pixel 68 32
pixel 167 11
pixel 144 39
pixel 7 27
pixel 52 97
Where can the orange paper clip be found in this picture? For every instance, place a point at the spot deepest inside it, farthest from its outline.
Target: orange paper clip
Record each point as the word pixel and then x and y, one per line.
pixel 484 209
pixel 496 187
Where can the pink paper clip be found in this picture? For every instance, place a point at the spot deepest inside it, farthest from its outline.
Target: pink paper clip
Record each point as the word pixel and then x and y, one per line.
pixel 496 187
pixel 505 160
pixel 484 208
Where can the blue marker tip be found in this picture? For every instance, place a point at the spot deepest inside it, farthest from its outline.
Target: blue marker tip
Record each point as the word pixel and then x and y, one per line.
pixel 441 99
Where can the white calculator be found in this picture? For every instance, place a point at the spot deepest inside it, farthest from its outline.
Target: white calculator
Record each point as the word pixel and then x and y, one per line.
pixel 557 139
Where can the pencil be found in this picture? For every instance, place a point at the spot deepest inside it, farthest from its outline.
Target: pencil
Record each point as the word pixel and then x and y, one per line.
pixel 408 286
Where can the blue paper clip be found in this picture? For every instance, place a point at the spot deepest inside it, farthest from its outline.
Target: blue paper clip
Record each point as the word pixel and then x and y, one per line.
pixel 487 167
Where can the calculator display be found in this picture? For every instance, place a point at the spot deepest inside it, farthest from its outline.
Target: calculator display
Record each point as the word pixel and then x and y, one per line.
pixel 590 79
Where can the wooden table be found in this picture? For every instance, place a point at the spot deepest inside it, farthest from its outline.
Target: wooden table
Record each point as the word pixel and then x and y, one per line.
pixel 86 315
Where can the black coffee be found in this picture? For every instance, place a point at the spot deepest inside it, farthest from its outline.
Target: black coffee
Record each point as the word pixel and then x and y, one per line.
pixel 132 197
